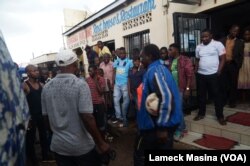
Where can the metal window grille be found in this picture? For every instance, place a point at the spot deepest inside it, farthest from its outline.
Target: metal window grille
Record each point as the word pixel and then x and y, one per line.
pixel 136 40
pixel 187 30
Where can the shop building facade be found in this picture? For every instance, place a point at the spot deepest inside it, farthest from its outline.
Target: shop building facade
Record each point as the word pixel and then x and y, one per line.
pixel 136 23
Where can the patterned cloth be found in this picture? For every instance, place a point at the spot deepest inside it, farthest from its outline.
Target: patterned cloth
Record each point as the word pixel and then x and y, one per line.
pixel 14 112
pixel 244 74
pixel 96 97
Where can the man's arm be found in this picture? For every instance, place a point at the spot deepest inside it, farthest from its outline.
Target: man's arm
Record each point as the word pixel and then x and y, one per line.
pixel 85 112
pixel 189 72
pixel 129 91
pixel 222 59
pixel 90 124
pixel 197 60
pixel 99 85
pixel 26 88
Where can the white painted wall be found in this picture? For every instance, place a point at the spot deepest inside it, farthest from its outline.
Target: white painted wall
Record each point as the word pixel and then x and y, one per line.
pixel 161 26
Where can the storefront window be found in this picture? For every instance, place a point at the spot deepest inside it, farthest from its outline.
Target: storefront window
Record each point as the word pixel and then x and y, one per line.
pixel 136 40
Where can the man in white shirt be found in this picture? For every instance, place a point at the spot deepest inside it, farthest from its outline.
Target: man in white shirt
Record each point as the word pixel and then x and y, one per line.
pixel 210 58
pixel 67 107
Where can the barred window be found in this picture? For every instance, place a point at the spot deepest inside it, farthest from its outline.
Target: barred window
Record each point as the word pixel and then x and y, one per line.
pixel 136 40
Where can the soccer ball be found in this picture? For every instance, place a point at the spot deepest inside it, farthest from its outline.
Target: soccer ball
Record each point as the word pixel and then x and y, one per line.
pixel 152 102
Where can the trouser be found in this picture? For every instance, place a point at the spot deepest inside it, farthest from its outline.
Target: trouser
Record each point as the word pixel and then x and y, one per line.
pixel 229 82
pixel 182 125
pixel 121 111
pixel 36 122
pixel 99 114
pixel 205 84
pixel 108 97
pixel 92 158
pixel 148 141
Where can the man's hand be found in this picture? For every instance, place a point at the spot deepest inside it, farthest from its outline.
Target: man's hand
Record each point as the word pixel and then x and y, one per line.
pixel 103 148
pixel 218 72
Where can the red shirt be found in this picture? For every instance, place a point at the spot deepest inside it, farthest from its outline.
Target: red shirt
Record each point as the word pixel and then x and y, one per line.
pixel 96 97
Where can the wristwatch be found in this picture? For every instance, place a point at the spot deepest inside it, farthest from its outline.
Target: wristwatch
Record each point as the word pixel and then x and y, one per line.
pixel 187 88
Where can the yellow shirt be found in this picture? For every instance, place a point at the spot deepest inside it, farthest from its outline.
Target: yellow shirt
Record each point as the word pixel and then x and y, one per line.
pixel 229 49
pixel 104 50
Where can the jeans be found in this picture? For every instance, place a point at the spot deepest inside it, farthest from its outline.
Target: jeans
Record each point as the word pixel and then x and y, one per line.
pixel 182 125
pixel 91 158
pixel 121 111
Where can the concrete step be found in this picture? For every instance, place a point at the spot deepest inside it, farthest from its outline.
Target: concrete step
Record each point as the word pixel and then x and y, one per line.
pixel 192 136
pixel 210 125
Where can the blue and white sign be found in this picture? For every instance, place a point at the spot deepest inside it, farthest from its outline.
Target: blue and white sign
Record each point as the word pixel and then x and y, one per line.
pixel 125 15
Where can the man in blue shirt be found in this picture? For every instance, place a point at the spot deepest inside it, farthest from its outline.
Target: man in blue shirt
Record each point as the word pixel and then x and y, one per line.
pixel 156 131
pixel 122 66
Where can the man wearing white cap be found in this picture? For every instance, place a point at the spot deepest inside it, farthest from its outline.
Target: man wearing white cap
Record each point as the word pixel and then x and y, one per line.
pixel 67 106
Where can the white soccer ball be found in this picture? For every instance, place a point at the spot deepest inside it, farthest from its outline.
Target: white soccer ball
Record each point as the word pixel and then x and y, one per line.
pixel 152 102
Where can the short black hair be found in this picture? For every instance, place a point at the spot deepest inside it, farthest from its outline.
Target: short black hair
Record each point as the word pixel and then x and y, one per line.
pixel 136 57
pixel 122 49
pixel 234 26
pixel 207 30
pixel 152 50
pixel 175 45
pixel 87 48
pixel 164 48
pixel 93 67
pixel 246 29
pixel 100 42
pixel 136 50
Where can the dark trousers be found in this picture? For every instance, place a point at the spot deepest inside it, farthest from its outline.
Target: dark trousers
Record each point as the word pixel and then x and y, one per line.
pixel 209 84
pixel 229 83
pixel 149 141
pixel 92 158
pixel 99 112
pixel 36 122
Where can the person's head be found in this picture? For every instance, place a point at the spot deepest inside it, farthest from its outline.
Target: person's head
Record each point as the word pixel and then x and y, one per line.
pixel 122 52
pixel 100 72
pixel 164 53
pixel 32 72
pixel 92 71
pixel 50 74
pixel 106 58
pixel 16 65
pixel 117 52
pixel 100 44
pixel 87 49
pixel 97 61
pixel 234 31
pixel 174 50
pixel 67 61
pixel 246 34
pixel 136 61
pixel 206 36
pixel 135 52
pixel 149 54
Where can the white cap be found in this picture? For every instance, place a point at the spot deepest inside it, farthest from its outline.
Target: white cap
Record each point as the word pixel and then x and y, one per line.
pixel 65 57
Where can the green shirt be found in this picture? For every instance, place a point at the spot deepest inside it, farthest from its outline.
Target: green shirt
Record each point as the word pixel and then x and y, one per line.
pixel 174 69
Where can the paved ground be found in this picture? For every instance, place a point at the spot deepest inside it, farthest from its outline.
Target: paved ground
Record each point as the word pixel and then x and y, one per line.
pixel 123 144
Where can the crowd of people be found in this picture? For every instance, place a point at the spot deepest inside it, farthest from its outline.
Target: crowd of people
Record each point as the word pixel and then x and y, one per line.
pixel 72 113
